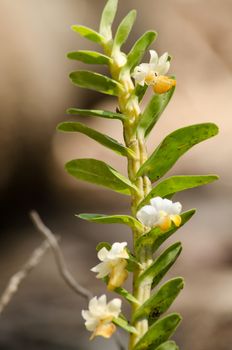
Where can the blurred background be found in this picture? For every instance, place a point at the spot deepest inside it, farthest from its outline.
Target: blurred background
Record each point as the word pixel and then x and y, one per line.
pixel 34 93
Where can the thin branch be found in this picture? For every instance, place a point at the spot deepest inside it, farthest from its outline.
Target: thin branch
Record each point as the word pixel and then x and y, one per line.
pixel 18 278
pixel 64 272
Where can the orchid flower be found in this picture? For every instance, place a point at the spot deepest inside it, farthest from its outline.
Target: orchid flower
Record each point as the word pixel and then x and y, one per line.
pixel 98 318
pixel 153 73
pixel 113 264
pixel 161 212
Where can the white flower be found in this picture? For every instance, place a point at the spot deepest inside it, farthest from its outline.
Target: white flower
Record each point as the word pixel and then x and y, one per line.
pixel 153 73
pixel 113 264
pixel 98 318
pixel 162 212
pixel 148 215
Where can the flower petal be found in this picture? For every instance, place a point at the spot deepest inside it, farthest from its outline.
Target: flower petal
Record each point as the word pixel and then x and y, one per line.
pixel 163 59
pixel 102 254
pixel 165 223
pixel 114 306
pixel 163 84
pixel 176 208
pixel 157 203
pixel 104 330
pixel 154 57
pixel 102 300
pixel 91 324
pixel 147 215
pixel 103 269
pixel 140 73
pixel 176 219
pixel 93 303
pixel 167 206
pixel 163 68
pixel 118 251
pixel 118 275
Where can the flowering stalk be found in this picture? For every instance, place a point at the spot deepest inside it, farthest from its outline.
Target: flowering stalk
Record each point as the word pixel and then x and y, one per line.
pixel 154 217
pixel 129 106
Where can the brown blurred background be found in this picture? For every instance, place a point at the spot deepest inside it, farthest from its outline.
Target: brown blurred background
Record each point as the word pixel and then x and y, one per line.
pixel 34 93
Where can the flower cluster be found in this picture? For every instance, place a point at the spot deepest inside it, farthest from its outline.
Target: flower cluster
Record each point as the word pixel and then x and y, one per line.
pixel 98 318
pixel 161 212
pixel 113 264
pixel 153 73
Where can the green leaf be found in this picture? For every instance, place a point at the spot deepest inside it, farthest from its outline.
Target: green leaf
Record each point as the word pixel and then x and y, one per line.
pixel 100 173
pixel 155 237
pixel 173 184
pixel 168 345
pixel 123 30
pixel 159 332
pixel 107 18
pixel 97 136
pixel 89 34
pixel 173 147
pixel 89 57
pixel 96 113
pixel 113 219
pixel 138 50
pixel 132 262
pixel 103 245
pixel 95 81
pixel 125 294
pixel 153 111
pixel 161 265
pixel 140 91
pixel 124 324
pixel 159 302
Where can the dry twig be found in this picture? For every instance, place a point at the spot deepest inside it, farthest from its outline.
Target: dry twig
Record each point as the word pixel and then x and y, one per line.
pixel 34 260
pixel 18 278
pixel 64 272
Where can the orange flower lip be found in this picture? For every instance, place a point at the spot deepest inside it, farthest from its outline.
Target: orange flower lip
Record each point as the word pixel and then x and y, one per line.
pixel 163 84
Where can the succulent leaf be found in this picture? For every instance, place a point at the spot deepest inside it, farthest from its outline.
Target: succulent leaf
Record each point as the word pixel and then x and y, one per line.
pixel 173 147
pixel 100 173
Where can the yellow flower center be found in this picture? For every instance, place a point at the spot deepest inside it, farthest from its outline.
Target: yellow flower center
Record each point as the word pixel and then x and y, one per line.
pixel 167 220
pixel 150 78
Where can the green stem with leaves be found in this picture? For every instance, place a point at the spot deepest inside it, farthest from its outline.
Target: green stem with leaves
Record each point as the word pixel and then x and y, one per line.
pixel 129 106
pixel 148 330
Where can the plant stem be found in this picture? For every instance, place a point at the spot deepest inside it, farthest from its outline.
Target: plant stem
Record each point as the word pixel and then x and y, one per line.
pixel 129 105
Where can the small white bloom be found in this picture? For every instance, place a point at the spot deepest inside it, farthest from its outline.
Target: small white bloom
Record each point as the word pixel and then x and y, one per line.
pixel 98 318
pixel 162 212
pixel 113 264
pixel 148 215
pixel 153 73
pixel 148 72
